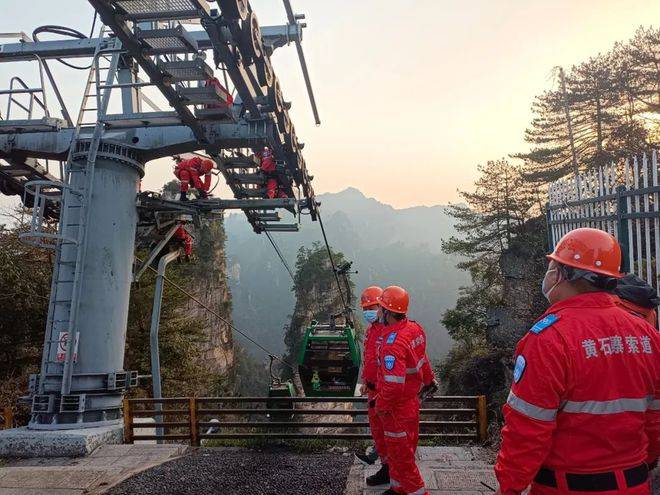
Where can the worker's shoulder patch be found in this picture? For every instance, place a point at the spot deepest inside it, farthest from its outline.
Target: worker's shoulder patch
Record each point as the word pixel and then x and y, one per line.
pixel 546 322
pixel 391 338
pixel 389 362
pixel 519 368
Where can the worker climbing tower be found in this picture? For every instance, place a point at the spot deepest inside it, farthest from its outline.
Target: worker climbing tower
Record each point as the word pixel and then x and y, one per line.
pixel 141 46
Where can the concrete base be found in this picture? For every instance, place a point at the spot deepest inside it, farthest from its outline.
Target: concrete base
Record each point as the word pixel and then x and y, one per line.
pixel 22 442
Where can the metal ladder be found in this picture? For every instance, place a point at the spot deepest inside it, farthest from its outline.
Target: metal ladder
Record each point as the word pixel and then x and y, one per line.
pixel 76 187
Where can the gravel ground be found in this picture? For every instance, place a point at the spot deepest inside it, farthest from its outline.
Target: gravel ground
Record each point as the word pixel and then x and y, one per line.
pixel 274 471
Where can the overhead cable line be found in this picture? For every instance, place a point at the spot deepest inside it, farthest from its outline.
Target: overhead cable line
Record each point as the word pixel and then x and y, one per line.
pixel 279 253
pixel 221 318
pixel 334 266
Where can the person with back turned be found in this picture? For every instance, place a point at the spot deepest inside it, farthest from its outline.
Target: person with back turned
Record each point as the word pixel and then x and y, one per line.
pixel 404 372
pixel 583 414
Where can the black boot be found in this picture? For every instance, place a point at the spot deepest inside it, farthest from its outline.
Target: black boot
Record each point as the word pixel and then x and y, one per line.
pixel 389 491
pixel 202 194
pixel 367 459
pixel 183 197
pixel 382 477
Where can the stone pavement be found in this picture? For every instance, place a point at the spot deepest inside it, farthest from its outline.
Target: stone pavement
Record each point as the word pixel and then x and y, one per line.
pixel 446 470
pixel 105 467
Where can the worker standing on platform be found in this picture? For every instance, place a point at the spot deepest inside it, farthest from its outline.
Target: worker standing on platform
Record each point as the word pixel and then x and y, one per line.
pixel 374 336
pixel 404 370
pixel 189 173
pixel 269 169
pixel 583 414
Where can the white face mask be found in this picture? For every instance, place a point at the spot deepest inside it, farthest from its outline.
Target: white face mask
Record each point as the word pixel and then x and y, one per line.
pixel 546 292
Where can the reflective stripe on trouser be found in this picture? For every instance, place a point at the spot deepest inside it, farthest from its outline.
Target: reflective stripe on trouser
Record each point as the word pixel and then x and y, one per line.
pixel 401 437
pixel 188 177
pixel 378 434
pixel 562 489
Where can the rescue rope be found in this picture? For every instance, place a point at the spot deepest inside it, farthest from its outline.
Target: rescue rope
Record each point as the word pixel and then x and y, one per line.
pixel 221 318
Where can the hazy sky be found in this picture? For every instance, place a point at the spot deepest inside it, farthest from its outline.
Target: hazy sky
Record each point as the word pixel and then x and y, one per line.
pixel 413 94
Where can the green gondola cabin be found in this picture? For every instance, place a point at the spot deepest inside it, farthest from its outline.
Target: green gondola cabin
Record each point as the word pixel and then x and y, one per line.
pixel 280 396
pixel 329 360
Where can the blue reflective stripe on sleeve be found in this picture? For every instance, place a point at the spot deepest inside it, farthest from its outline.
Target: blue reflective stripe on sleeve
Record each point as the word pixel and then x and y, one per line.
pixel 541 325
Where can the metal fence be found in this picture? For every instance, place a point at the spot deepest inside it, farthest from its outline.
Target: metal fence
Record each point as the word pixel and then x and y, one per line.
pixel 620 198
pixel 192 419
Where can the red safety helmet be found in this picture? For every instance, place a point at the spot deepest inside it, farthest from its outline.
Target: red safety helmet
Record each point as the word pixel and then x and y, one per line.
pixel 206 166
pixel 370 296
pixel 394 299
pixel 589 249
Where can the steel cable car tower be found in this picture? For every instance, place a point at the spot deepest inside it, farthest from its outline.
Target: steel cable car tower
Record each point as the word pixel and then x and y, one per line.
pixel 102 157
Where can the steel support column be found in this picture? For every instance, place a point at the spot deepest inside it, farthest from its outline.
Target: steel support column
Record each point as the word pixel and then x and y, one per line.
pixel 98 380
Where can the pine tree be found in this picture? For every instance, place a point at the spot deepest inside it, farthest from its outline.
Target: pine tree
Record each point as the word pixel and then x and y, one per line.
pixel 613 101
pixel 493 214
pixel 496 213
pixel 642 56
pixel 637 75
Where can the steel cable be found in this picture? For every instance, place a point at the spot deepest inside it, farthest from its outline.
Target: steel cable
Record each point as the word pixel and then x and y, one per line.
pixel 279 253
pixel 221 318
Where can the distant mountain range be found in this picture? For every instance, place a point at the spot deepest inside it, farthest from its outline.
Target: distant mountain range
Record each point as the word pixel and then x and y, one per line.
pixel 387 245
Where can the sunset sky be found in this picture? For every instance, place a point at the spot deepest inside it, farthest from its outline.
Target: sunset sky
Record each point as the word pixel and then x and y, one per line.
pixel 413 94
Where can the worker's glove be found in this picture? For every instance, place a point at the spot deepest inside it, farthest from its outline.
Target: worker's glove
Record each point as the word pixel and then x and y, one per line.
pixel 428 390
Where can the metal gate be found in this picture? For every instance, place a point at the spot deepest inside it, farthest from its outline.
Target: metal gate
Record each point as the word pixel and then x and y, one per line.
pixel 620 198
pixel 192 419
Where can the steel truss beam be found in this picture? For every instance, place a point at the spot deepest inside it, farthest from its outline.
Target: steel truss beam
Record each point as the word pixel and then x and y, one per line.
pixel 275 36
pixel 149 142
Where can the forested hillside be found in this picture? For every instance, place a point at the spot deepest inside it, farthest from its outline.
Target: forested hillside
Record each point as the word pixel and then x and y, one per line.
pixel 196 349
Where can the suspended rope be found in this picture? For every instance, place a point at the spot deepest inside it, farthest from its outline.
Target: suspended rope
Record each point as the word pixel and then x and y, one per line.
pixel 334 267
pixel 279 253
pixel 221 318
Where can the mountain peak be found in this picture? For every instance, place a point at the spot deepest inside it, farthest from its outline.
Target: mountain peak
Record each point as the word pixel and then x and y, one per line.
pixel 350 192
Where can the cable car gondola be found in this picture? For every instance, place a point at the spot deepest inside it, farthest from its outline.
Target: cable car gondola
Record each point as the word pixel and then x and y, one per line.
pixel 329 360
pixel 280 394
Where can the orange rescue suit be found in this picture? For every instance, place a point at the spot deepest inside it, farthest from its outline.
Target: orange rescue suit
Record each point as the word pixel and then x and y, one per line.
pixel 584 406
